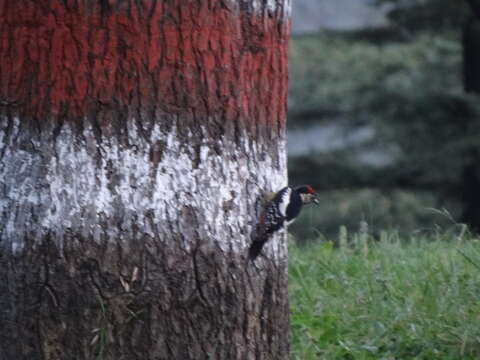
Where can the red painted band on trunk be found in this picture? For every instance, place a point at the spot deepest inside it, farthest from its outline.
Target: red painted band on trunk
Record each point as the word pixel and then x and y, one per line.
pixel 197 56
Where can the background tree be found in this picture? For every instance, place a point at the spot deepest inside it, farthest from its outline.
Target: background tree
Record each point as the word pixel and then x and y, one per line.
pixel 136 139
pixel 409 129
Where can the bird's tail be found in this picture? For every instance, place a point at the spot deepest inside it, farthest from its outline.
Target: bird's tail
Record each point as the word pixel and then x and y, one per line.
pixel 256 248
pixel 259 237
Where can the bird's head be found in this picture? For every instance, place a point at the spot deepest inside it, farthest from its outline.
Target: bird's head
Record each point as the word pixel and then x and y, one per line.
pixel 307 194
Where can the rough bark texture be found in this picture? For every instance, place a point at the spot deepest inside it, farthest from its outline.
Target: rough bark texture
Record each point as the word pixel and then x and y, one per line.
pixel 136 140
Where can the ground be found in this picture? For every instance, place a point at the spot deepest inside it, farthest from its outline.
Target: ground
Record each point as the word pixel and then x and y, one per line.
pixel 413 298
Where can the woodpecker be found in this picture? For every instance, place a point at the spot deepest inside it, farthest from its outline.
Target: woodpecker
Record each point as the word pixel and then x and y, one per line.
pixel 281 210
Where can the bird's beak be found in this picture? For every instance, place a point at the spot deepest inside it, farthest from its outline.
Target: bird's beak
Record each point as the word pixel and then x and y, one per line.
pixel 315 200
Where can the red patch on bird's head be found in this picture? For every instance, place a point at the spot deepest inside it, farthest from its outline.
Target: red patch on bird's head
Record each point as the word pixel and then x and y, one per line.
pixel 305 189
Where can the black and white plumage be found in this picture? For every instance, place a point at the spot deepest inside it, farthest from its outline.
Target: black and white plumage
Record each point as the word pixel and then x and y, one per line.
pixel 283 209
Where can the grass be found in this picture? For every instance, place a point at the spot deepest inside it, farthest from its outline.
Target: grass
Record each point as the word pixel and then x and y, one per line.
pixel 386 300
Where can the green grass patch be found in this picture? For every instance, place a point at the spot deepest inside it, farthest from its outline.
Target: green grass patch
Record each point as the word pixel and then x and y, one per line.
pixel 387 300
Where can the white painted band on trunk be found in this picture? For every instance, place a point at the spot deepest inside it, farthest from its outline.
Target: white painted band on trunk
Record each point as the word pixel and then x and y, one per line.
pixel 273 6
pixel 77 184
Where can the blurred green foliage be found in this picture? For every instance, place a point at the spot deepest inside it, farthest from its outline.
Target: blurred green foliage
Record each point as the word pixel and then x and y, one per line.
pixel 362 82
pixel 398 211
pixel 408 91
pixel 420 15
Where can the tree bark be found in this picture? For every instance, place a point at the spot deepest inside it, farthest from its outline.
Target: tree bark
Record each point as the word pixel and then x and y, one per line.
pixel 136 141
pixel 470 191
pixel 471 55
pixel 470 179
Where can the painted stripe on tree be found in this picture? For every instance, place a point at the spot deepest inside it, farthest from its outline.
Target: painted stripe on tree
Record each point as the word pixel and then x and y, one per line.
pixel 90 186
pixel 130 53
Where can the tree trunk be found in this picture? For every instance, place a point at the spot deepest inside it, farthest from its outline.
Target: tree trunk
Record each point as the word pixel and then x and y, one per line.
pixel 470 181
pixel 136 141
pixel 470 191
pixel 471 55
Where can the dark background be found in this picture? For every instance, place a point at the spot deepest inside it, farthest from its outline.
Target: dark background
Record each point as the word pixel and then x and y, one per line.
pixel 384 115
